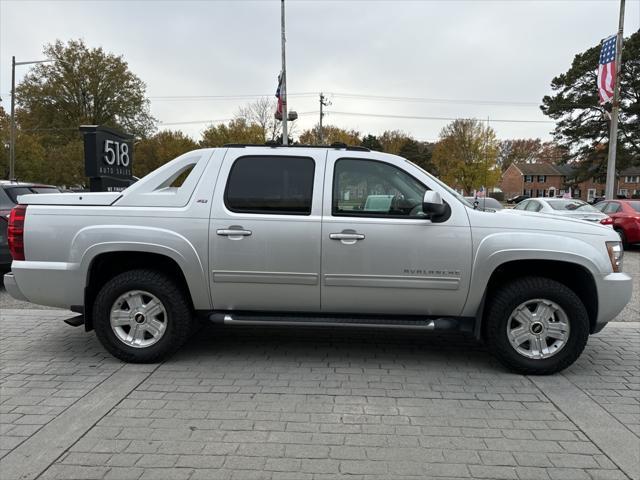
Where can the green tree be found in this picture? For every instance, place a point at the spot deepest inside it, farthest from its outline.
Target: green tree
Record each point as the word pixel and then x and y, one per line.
pixel 419 153
pixel 331 135
pixel 238 130
pixel 153 152
pixel 582 124
pixel 466 155
pixel 82 86
pixel 372 143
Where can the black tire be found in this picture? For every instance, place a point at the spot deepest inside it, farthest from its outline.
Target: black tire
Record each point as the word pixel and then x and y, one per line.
pixel 509 296
pixel 178 322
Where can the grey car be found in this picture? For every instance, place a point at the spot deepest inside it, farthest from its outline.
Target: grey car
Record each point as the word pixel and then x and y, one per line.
pixel 563 207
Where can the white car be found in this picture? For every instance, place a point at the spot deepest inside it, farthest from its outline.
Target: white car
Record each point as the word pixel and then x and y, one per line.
pixel 564 207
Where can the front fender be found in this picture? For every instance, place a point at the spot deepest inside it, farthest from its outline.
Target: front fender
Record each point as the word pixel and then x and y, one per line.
pixel 93 241
pixel 499 248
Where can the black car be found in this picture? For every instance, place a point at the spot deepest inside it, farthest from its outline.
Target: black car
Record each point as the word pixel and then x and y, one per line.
pixel 9 192
pixel 518 199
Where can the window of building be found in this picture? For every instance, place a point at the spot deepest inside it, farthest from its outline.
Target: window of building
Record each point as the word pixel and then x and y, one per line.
pixel 540 193
pixel 528 179
pixel 271 185
pixel 368 188
pixel 622 192
pixel 632 179
pixel 542 178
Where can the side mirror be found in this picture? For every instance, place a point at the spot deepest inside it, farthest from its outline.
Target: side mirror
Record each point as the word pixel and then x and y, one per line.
pixel 434 207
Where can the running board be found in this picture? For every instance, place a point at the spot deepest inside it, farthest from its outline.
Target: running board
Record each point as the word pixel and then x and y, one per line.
pixel 460 324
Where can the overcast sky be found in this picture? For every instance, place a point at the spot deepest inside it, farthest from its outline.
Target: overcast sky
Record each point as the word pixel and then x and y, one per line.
pixel 485 58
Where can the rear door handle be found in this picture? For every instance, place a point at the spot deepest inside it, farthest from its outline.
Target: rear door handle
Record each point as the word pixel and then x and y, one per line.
pixel 346 236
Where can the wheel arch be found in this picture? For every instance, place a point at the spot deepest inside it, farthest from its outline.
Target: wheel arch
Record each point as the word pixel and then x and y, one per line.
pixel 575 276
pixel 106 264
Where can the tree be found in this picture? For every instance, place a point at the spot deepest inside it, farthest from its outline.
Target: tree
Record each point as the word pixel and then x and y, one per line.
pixel 519 150
pixel 419 153
pixel 392 141
pixel 466 155
pixel 236 131
pixel 82 86
pixel 261 113
pixel 582 125
pixel 372 143
pixel 331 135
pixel 155 151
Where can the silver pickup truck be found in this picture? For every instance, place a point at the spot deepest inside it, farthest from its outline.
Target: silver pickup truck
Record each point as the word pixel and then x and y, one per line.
pixel 313 236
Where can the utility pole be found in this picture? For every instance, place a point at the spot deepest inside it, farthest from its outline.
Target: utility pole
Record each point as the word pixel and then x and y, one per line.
pixel 283 92
pixel 323 103
pixel 12 140
pixel 613 132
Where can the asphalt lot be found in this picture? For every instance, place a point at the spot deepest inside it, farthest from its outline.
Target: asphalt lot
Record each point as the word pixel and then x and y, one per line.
pixel 258 403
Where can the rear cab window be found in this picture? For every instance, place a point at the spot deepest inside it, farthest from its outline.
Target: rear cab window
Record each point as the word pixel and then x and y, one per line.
pixel 271 185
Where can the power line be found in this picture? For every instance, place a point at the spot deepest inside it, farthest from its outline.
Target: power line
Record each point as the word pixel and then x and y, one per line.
pixel 434 100
pixel 418 117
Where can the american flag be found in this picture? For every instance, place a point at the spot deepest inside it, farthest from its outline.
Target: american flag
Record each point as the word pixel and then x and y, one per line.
pixel 607 69
pixel 279 95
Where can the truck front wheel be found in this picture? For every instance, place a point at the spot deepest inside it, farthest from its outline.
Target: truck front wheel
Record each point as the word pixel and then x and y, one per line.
pixel 141 316
pixel 536 325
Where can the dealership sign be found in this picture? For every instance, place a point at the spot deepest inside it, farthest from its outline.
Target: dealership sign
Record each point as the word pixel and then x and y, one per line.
pixel 108 157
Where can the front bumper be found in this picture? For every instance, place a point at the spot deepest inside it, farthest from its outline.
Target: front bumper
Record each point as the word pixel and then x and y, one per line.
pixel 614 293
pixel 12 287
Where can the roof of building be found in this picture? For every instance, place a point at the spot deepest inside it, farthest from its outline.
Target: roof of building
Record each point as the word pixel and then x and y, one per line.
pixel 538 169
pixel 631 171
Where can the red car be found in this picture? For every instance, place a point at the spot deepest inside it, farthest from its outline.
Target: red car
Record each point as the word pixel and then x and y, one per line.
pixel 625 217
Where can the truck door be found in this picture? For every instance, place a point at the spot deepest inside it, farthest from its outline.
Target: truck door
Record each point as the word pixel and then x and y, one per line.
pixel 264 238
pixel 379 252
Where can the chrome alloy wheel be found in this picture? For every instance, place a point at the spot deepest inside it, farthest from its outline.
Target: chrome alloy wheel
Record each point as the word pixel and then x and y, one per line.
pixel 138 319
pixel 538 328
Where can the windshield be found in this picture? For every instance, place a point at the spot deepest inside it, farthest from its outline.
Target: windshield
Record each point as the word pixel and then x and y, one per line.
pixel 571 205
pixel 635 206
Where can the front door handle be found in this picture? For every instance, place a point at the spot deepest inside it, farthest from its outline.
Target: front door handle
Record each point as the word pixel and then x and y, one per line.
pixel 346 236
pixel 233 231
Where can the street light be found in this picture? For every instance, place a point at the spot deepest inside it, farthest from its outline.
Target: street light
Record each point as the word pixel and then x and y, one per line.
pixel 12 141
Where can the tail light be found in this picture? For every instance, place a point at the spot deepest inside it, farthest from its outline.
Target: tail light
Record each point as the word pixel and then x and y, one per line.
pixel 607 221
pixel 15 232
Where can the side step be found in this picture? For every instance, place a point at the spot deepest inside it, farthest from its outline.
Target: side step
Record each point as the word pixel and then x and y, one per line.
pixel 75 321
pixel 451 324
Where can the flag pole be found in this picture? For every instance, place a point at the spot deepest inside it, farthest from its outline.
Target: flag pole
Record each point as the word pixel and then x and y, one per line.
pixel 283 91
pixel 613 132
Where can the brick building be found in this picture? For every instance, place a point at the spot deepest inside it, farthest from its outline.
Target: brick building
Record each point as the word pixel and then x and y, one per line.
pixel 533 179
pixel 629 183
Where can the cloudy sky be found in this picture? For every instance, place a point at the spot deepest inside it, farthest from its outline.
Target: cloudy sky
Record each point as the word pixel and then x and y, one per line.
pixel 445 59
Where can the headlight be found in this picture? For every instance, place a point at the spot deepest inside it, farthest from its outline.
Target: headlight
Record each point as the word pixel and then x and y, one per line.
pixel 615 255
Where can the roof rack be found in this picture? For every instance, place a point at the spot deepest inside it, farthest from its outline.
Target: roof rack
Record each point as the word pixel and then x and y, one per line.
pixel 273 144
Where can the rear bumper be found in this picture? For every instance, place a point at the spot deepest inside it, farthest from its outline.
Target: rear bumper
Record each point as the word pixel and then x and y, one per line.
pixel 55 284
pixel 12 288
pixel 614 293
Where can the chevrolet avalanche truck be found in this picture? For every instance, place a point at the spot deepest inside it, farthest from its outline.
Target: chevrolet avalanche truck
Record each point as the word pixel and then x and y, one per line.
pixel 313 236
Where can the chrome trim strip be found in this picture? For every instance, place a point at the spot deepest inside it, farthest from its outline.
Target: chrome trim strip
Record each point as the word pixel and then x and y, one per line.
pixel 290 278
pixel 391 281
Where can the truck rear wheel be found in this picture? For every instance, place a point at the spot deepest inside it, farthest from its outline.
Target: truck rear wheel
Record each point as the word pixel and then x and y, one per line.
pixel 141 316
pixel 536 325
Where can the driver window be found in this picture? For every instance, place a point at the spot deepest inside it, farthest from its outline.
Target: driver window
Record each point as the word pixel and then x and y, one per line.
pixel 533 206
pixel 369 188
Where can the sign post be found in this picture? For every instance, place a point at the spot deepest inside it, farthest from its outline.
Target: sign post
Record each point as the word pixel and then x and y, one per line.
pixel 108 158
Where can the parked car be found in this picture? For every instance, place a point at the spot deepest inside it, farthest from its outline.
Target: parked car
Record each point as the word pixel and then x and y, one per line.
pixel 626 218
pixel 290 236
pixel 517 199
pixel 9 192
pixel 485 203
pixel 564 207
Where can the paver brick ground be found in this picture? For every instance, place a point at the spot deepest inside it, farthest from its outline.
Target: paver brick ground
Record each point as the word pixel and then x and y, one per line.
pixel 276 403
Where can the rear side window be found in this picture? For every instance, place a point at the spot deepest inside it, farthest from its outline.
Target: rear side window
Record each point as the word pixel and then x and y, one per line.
pixel 270 185
pixel 15 192
pixel 44 190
